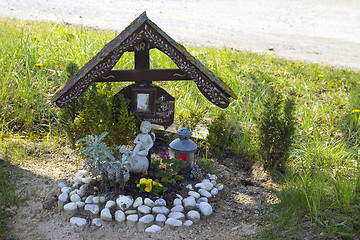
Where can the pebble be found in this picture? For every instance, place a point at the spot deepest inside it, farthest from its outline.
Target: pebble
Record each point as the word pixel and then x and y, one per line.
pixel 189 187
pixel 203 199
pixel 220 187
pixel 96 222
pixel 172 223
pixel 177 208
pixel 98 199
pixel 204 193
pixel 194 194
pixel 70 209
pixel 189 203
pixel 143 209
pixel 66 189
pixel 145 222
pixel 177 201
pixel 80 192
pixel 80 204
pixel 75 198
pixel 194 216
pixel 110 204
pixel 205 208
pixel 131 220
pixel 177 215
pixel 89 199
pixel 188 223
pixel 120 216
pixel 77 221
pixel 92 209
pixel 160 210
pixel 124 202
pixel 160 202
pixel 87 180
pixel 149 202
pixel 160 220
pixel 153 229
pixel 105 215
pixel 138 202
pixel 64 197
pixel 214 191
pixel 61 185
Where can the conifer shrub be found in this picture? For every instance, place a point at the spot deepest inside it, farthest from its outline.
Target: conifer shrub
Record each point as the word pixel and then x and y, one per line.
pixel 98 111
pixel 219 137
pixel 275 129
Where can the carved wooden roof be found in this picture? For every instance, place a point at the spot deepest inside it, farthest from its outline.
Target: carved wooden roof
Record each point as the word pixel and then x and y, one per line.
pixel 140 30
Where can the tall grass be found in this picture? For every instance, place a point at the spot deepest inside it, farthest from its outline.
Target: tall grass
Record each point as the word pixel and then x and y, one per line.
pixel 322 184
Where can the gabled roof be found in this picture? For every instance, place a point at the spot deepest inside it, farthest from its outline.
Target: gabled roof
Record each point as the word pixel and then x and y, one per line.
pixel 142 28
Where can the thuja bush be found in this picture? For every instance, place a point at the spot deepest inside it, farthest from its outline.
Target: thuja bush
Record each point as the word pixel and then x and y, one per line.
pixel 98 111
pixel 275 129
pixel 219 135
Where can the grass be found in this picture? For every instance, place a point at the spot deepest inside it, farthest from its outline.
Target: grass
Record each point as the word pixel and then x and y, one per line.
pixel 320 190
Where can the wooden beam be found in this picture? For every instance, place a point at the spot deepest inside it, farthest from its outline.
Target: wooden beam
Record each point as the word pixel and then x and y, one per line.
pixel 144 75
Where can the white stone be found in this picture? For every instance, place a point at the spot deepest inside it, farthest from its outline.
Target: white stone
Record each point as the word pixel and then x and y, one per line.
pixel 177 201
pixel 99 199
pixel 105 215
pixel 188 223
pixel 80 204
pixel 70 206
pixel 179 196
pixel 160 210
pixel 110 204
pixel 212 176
pixel 76 184
pixel 77 221
pixel 87 180
pixel 145 222
pixel 189 203
pixel 177 215
pixel 213 182
pixel 173 223
pixel 214 191
pixel 149 202
pixel 80 192
pixel 143 209
pixel 160 218
pixel 189 187
pixel 66 189
pixel 96 222
pixel 160 202
pixel 89 199
pixel 120 216
pixel 64 197
pixel 81 173
pixel 177 208
pixel 220 187
pixel 138 202
pixel 194 216
pixel 204 193
pixel 92 209
pixel 131 220
pixel 194 194
pixel 153 229
pixel 75 198
pixel 61 185
pixel 203 199
pixel 206 184
pixel 124 202
pixel 205 208
pixel 70 209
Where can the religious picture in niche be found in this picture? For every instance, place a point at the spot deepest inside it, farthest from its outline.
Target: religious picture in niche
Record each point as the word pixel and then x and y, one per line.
pixel 143 100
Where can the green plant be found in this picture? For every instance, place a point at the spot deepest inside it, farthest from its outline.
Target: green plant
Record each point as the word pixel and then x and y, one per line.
pixel 100 160
pixel 170 168
pixel 193 118
pixel 149 185
pixel 219 135
pixel 275 129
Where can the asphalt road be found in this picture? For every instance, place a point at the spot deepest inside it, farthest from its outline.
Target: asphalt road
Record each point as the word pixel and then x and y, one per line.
pixel 321 31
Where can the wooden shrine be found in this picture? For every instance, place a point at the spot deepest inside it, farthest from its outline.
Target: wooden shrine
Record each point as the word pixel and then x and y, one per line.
pixel 148 101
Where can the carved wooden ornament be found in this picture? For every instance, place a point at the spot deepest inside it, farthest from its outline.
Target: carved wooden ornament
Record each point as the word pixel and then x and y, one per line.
pixel 140 36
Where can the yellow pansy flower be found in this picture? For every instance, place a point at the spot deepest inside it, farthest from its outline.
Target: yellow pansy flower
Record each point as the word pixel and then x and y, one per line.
pixel 39 64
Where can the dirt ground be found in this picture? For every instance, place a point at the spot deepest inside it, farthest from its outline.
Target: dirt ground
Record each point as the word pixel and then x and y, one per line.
pixel 238 209
pixel 322 31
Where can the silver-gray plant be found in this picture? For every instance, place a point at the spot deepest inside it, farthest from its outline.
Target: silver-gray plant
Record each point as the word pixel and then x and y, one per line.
pixel 100 160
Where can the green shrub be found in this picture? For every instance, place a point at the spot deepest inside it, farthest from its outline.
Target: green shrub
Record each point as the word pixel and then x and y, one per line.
pixel 219 135
pixel 97 111
pixel 275 129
